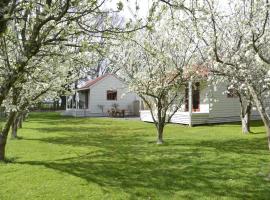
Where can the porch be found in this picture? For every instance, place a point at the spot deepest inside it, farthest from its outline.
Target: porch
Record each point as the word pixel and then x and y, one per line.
pixel 195 109
pixel 78 105
pixel 78 101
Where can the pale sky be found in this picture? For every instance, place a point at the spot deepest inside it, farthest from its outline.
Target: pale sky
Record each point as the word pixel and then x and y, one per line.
pixel 129 9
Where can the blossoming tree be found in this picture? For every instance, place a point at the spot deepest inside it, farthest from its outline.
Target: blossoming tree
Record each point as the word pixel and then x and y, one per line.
pixel 153 63
pixel 236 40
pixel 40 33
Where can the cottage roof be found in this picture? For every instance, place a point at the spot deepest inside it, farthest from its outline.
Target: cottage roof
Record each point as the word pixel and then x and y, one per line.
pixel 92 82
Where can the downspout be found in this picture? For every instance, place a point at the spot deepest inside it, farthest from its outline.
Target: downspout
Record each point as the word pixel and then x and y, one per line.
pixel 190 102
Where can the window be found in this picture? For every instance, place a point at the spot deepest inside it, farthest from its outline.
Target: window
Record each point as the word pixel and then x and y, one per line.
pixel 111 95
pixel 232 93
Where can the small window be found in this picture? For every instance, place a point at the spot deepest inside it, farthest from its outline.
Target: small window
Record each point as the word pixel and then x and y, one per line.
pixel 111 95
pixel 232 93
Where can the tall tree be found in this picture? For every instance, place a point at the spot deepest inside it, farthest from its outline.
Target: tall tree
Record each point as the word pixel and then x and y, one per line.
pixel 153 64
pixel 44 32
pixel 236 39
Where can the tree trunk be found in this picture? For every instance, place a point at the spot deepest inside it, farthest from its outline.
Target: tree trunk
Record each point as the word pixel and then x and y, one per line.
pixel 20 121
pixel 245 118
pixel 245 124
pixel 160 122
pixel 245 113
pixel 15 126
pixel 268 136
pixel 14 131
pixel 3 141
pixel 160 129
pixel 24 115
pixel 4 134
pixel 262 111
pixel 4 6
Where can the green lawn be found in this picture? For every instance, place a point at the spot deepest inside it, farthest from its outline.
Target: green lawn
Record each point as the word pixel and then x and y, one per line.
pixel 67 158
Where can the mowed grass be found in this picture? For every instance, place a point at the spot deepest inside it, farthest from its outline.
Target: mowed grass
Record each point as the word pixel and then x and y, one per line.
pixel 90 158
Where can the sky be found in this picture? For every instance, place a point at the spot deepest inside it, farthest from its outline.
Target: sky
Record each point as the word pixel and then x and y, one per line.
pixel 129 9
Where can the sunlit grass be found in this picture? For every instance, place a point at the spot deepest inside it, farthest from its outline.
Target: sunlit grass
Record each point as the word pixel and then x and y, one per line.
pixel 87 158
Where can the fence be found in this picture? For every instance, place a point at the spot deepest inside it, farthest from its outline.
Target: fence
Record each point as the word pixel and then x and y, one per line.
pixel 48 106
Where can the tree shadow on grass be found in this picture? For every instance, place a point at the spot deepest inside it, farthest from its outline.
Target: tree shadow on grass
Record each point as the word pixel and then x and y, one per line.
pixel 253 124
pixel 115 135
pixel 257 123
pixel 75 121
pixel 240 146
pixel 125 159
pixel 166 176
pixel 146 170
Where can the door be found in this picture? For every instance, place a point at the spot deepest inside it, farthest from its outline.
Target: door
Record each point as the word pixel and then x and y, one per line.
pixel 195 98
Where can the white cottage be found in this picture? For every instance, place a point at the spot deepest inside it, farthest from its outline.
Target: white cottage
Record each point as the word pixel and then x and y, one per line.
pixel 98 96
pixel 206 104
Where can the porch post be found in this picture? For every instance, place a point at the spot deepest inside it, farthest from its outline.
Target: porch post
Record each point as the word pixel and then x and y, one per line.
pixel 190 102
pixel 140 104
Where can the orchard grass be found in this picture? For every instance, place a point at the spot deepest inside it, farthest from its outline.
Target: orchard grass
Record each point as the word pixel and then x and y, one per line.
pixel 100 158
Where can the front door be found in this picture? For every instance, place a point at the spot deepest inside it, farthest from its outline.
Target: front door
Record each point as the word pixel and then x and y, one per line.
pixel 195 98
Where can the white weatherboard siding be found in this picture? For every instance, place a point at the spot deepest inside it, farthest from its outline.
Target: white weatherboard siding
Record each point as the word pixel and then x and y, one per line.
pixel 98 95
pixel 179 117
pixel 146 116
pixel 222 106
pixel 196 118
pixel 127 101
pixel 81 113
pixel 224 109
pixel 215 107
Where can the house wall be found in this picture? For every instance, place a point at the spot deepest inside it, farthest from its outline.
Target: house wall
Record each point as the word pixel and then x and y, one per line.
pixel 224 109
pixel 98 95
pixel 179 117
pixel 215 100
pixel 215 107
pixel 220 104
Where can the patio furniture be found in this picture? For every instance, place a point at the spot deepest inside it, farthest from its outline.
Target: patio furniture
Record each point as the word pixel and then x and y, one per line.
pixel 116 113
